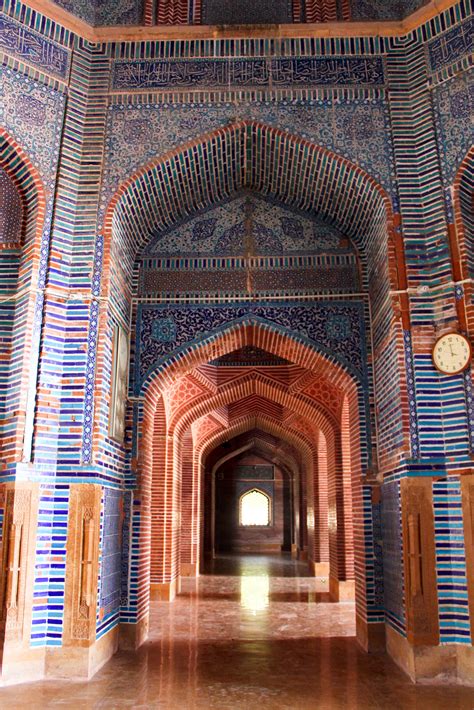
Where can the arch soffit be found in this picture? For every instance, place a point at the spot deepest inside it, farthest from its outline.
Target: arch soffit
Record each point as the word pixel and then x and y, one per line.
pixel 306 409
pixel 347 196
pixel 262 440
pixel 247 385
pixel 190 387
pixel 263 449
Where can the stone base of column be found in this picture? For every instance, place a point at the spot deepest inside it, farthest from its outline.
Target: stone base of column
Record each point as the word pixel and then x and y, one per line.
pixel 64 662
pixel 189 569
pixel 294 551
pixel 303 555
pixel 449 664
pixel 22 665
pixel 132 636
pixel 164 592
pixel 319 569
pixel 341 590
pixel 73 663
pixel 371 637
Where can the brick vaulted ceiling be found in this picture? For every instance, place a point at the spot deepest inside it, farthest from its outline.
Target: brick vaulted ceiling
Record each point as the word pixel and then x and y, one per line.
pixel 246 155
pixel 232 12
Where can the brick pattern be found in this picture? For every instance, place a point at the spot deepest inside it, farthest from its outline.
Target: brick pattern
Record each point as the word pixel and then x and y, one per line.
pixel 172 12
pixel 50 567
pixel 454 623
pixel 73 283
pixel 20 301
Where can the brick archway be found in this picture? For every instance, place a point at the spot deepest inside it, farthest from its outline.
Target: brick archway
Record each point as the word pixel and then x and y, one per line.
pixel 203 172
pixel 23 261
pixel 258 333
pixel 253 155
pixel 167 433
pixel 250 155
pixel 298 459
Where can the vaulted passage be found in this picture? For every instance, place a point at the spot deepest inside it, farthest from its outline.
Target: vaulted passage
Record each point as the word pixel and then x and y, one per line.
pixel 236 382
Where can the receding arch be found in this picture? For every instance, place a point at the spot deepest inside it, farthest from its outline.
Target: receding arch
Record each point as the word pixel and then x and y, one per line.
pixel 247 387
pixel 252 155
pixel 262 422
pixel 295 460
pixel 257 443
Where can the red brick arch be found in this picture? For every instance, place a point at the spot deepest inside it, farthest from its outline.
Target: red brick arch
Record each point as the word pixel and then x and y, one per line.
pixel 266 449
pixel 247 387
pixel 191 520
pixel 335 549
pixel 256 421
pixel 251 155
pixel 300 462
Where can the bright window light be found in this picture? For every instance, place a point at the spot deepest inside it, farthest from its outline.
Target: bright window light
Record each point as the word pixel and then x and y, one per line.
pixel 254 508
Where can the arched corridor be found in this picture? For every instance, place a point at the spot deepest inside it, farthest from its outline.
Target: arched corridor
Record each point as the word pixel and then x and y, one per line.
pixel 236 380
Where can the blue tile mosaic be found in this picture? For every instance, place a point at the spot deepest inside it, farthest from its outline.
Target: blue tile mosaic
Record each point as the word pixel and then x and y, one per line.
pixel 33 48
pixel 312 323
pixel 393 555
pixel 248 223
pixel 452 45
pixel 110 571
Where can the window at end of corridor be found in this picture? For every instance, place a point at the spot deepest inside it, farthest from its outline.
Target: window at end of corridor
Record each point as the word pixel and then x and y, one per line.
pixel 254 509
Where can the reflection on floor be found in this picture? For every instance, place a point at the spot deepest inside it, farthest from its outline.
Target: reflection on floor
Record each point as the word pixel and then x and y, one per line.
pixel 249 636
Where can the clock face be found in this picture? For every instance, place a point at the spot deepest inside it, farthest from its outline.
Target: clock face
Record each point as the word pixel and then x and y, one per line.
pixel 452 353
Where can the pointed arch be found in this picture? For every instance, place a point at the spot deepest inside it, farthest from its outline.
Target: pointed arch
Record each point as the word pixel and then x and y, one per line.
pixel 259 388
pixel 20 264
pixel 262 422
pixel 251 510
pixel 259 421
pixel 252 155
pixel 249 330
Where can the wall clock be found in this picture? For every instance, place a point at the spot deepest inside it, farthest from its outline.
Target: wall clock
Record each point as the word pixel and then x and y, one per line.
pixel 452 353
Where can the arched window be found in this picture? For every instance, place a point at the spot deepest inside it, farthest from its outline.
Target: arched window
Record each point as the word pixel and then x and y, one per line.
pixel 10 211
pixel 254 508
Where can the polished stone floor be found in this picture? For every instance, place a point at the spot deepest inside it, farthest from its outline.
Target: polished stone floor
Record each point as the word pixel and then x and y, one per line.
pixel 256 634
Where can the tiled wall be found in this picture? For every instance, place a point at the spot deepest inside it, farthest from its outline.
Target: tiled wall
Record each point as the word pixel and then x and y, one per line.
pixel 451 563
pixel 50 566
pixel 110 578
pixel 393 556
pixel 358 100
